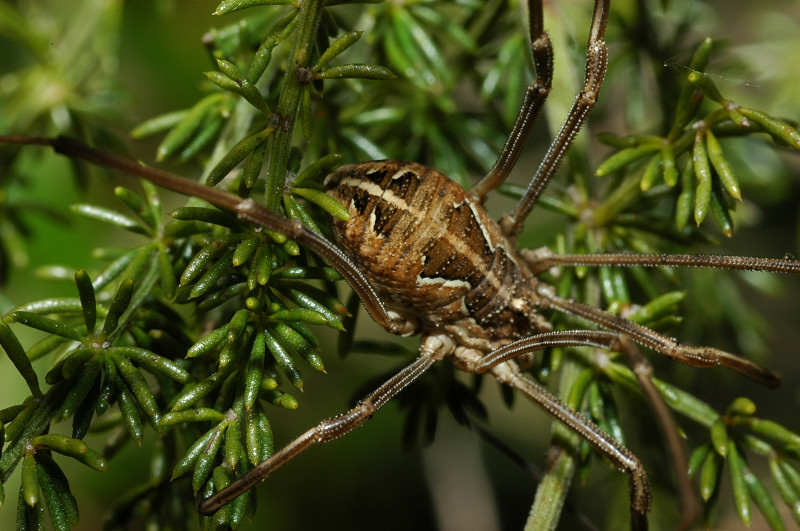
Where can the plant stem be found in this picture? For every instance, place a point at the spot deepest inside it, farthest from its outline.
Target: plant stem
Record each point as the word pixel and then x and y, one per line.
pixel 46 408
pixel 289 101
pixel 554 487
pixel 625 193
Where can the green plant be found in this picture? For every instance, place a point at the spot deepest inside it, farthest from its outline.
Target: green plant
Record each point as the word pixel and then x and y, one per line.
pixel 218 370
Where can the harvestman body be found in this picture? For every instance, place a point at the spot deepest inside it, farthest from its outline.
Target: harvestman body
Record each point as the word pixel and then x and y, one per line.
pixel 425 258
pixel 441 267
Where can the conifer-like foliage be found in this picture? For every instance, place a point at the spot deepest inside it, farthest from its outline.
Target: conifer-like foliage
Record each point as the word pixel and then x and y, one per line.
pixel 198 329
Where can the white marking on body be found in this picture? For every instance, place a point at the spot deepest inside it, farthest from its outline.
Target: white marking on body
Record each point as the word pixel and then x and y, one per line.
pixel 487 238
pixel 372 219
pixel 399 174
pixel 376 191
pixel 460 246
pixel 444 282
pixel 518 304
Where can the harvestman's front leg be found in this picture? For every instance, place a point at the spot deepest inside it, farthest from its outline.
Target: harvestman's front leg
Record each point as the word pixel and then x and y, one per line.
pixel 245 209
pixel 531 108
pixel 596 65
pixel 643 371
pixel 432 350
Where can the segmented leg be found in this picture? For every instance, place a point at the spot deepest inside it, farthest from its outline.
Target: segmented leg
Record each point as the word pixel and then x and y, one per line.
pixel 509 374
pixel 432 350
pixel 541 260
pixel 596 64
pixel 532 103
pixel 590 432
pixel 245 209
pixel 690 355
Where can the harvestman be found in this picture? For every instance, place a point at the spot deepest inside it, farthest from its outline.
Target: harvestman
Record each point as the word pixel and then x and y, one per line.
pixel 460 282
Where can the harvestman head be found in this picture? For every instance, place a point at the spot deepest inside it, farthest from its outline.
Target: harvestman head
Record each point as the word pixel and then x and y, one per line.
pixel 461 283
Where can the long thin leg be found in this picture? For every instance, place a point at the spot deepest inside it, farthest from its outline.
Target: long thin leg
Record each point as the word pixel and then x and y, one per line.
pixel 532 103
pixel 540 260
pixel 643 372
pixel 245 209
pixel 596 63
pixel 590 432
pixel 619 456
pixel 639 485
pixel 694 356
pixel 325 431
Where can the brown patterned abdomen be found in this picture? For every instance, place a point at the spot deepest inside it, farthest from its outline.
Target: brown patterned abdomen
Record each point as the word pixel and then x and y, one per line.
pixel 428 248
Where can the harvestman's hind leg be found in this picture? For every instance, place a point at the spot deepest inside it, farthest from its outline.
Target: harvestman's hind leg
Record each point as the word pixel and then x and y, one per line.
pixel 618 455
pixel 543 259
pixel 433 349
pixel 690 355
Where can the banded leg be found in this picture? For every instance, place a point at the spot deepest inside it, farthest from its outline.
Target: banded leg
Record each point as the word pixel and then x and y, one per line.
pixel 596 64
pixel 432 350
pixel 541 260
pixel 618 455
pixel 245 209
pixel 690 355
pixel 532 103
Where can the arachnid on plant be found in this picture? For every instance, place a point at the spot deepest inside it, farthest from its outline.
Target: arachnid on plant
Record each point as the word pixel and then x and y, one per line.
pixel 422 256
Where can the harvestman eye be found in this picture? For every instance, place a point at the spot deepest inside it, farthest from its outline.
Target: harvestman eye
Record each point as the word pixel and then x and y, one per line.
pixel 460 282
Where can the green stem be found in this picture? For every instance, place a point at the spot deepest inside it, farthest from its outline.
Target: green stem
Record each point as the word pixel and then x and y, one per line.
pixel 554 487
pixel 628 191
pixel 37 424
pixel 289 102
